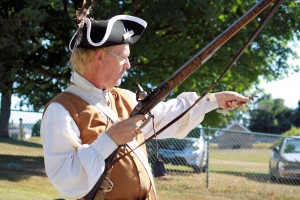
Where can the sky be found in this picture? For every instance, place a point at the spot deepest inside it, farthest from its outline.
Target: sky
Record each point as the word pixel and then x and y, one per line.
pixel 287 89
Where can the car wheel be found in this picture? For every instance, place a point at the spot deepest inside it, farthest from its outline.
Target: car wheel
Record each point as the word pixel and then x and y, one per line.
pixel 272 175
pixel 273 178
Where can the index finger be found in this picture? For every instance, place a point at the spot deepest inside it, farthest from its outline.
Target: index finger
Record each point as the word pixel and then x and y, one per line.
pixel 241 98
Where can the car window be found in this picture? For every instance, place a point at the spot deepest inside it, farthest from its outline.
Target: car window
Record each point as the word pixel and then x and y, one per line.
pixel 292 146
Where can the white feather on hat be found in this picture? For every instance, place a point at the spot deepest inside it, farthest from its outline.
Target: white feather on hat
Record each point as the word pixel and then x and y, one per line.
pixel 121 29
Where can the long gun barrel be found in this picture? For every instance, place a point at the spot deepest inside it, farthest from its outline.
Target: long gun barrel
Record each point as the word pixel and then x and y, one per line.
pixel 160 92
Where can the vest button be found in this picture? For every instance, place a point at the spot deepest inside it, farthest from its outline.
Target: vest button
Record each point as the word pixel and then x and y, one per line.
pixel 114 95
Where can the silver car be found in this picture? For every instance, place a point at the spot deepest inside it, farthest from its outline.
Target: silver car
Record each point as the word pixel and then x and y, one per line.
pixel 194 154
pixel 285 160
pixel 189 151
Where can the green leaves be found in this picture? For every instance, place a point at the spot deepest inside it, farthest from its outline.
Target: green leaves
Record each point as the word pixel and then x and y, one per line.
pixel 271 116
pixel 35 36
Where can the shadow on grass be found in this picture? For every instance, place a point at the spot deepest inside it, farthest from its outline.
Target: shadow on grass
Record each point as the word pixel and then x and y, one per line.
pixel 176 169
pixel 20 143
pixel 259 177
pixel 15 168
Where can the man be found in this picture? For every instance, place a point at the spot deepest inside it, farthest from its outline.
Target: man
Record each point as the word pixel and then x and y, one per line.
pixel 83 125
pixel 21 128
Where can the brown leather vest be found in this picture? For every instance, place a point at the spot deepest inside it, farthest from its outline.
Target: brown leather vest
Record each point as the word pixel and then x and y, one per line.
pixel 129 176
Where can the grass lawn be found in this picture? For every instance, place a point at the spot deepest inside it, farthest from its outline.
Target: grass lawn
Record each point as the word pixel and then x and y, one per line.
pixel 33 187
pixel 22 176
pixel 223 187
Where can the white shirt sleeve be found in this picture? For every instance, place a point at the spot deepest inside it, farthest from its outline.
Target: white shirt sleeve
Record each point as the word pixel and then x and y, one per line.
pixel 165 112
pixel 73 168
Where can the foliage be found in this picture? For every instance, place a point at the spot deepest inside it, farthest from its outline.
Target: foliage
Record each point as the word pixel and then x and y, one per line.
pixel 34 64
pixel 36 128
pixel 296 116
pixel 272 116
pixel 294 131
pixel 33 53
pixel 179 30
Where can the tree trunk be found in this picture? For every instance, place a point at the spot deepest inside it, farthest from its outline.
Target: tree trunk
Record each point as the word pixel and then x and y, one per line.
pixel 5 114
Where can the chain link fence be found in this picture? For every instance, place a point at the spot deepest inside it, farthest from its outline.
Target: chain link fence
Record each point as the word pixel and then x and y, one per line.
pixel 208 162
pixel 233 159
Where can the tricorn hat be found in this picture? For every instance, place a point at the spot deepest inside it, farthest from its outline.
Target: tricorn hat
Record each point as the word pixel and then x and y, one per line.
pixel 121 29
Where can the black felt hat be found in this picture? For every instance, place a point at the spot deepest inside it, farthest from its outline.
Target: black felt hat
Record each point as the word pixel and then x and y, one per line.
pixel 121 29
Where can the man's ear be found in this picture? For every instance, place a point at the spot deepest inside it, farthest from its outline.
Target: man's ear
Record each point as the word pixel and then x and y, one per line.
pixel 100 54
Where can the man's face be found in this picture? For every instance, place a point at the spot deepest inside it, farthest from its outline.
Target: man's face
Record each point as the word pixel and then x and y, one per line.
pixel 113 66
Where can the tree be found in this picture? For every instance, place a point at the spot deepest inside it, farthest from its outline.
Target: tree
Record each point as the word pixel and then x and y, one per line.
pixel 179 30
pixel 270 116
pixel 35 68
pixel 32 53
pixel 16 17
pixel 296 116
pixel 294 131
pixel 36 128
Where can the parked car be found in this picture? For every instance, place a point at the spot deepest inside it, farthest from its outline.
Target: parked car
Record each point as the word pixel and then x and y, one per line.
pixel 187 152
pixel 285 160
pixel 194 154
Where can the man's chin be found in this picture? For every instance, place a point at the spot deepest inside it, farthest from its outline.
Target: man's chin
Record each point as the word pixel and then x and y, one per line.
pixel 118 83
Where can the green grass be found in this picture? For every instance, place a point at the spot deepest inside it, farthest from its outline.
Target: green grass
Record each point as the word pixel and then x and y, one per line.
pixel 259 153
pixel 22 171
pixel 234 174
pixel 32 147
pixel 33 187
pixel 222 187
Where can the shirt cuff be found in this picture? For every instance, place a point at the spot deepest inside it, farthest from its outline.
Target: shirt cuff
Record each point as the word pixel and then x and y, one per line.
pixel 212 100
pixel 104 145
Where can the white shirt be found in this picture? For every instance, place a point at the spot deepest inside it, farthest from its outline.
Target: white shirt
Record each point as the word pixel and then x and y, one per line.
pixel 74 168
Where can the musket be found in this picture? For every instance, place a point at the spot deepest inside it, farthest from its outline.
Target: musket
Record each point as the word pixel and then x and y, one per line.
pixel 160 92
pixel 145 105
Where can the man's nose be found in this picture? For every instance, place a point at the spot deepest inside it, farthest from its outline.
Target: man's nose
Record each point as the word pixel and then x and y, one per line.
pixel 127 65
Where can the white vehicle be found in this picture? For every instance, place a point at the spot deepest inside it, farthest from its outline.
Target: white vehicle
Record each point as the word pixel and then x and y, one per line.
pixel 285 160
